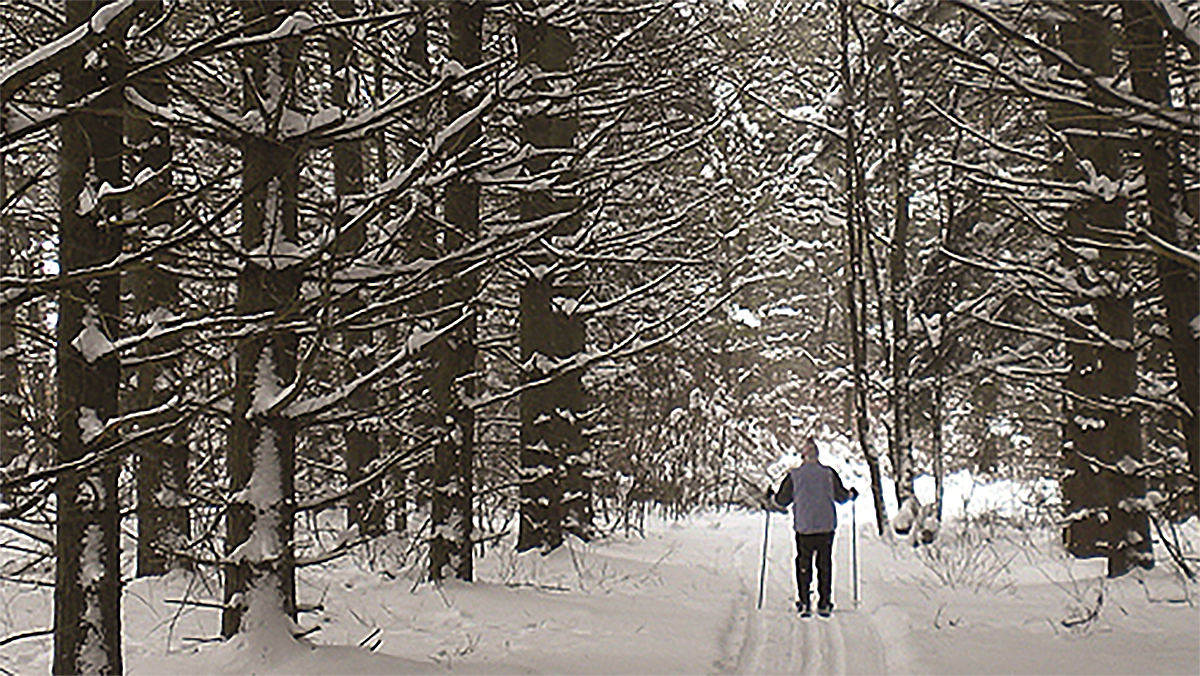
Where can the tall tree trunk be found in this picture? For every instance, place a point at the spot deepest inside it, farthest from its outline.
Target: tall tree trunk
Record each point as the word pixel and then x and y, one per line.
pixel 365 508
pixel 421 243
pixel 555 488
pixel 898 296
pixel 87 584
pixel 1100 423
pixel 855 282
pixel 937 270
pixel 935 440
pixel 260 570
pixel 1166 195
pixel 162 465
pixel 13 243
pixel 452 382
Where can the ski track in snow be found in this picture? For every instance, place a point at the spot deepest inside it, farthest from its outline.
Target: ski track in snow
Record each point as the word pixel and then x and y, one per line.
pixel 776 640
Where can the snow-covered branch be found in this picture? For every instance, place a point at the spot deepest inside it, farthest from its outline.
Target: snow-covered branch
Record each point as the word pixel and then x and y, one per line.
pixel 416 456
pixel 1182 122
pixel 417 341
pixel 51 56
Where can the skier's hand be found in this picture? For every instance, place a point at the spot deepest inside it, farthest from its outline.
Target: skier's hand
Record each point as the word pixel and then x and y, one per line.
pixel 853 493
pixel 769 502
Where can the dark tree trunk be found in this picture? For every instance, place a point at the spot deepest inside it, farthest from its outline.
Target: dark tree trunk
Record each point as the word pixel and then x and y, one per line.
pixel 856 196
pixel 451 548
pixel 262 441
pixel 555 488
pixel 87 584
pixel 1100 423
pixel 937 271
pixel 365 508
pixel 1166 195
pixel 413 486
pixel 13 242
pixel 898 297
pixel 162 465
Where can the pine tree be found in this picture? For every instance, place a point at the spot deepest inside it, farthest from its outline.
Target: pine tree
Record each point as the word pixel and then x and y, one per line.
pixel 1099 424
pixel 365 507
pixel 260 456
pixel 555 493
pixel 452 378
pixel 87 581
pixel 162 463
pixel 1168 200
pixel 12 246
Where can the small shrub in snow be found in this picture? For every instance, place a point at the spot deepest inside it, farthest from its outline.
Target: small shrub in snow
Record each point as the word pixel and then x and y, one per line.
pixel 1085 604
pixel 963 558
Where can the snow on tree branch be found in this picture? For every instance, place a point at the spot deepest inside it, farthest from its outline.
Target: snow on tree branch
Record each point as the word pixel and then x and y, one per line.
pixel 49 57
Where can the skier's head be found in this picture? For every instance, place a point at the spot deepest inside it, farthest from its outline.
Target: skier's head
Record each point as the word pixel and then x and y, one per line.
pixel 809 451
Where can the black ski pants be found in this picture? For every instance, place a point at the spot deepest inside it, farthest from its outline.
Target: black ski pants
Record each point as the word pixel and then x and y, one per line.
pixel 808 546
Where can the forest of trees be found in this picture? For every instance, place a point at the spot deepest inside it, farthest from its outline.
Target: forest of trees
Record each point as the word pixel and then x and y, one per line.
pixel 451 272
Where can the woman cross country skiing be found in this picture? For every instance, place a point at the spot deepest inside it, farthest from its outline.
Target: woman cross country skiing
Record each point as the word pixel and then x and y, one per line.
pixel 811 489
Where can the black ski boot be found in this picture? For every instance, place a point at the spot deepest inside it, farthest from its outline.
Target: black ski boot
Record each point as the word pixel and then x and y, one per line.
pixel 824 609
pixel 804 608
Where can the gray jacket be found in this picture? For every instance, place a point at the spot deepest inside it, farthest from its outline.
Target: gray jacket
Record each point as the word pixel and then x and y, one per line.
pixel 811 489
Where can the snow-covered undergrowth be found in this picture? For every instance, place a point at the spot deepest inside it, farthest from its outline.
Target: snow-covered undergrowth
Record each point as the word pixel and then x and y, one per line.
pixel 996 594
pixel 963 558
pixel 1010 600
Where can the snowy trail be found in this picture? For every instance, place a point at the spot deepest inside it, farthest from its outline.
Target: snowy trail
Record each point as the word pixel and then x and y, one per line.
pixel 678 599
pixel 775 640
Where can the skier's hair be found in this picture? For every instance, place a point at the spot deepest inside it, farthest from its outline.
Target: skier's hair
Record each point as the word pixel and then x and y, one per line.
pixel 810 448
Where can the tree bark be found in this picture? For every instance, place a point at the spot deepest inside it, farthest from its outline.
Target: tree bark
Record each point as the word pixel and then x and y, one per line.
pixel 162 465
pixel 260 569
pixel 855 282
pixel 451 548
pixel 1160 158
pixel 366 508
pixel 1100 424
pixel 555 486
pixel 14 244
pixel 898 296
pixel 87 584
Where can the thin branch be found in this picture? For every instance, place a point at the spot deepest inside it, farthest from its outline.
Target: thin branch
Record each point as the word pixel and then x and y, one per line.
pixel 24 635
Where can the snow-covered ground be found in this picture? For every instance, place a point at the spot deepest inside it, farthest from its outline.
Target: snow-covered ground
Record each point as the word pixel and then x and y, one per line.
pixel 992 598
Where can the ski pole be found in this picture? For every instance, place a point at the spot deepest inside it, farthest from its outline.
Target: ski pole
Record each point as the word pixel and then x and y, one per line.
pixel 762 572
pixel 854 549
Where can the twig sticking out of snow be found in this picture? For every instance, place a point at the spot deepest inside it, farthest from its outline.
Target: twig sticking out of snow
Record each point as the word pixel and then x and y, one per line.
pixel 1087 617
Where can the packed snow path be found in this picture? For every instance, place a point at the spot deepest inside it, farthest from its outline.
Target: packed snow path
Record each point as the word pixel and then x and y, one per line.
pixel 776 640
